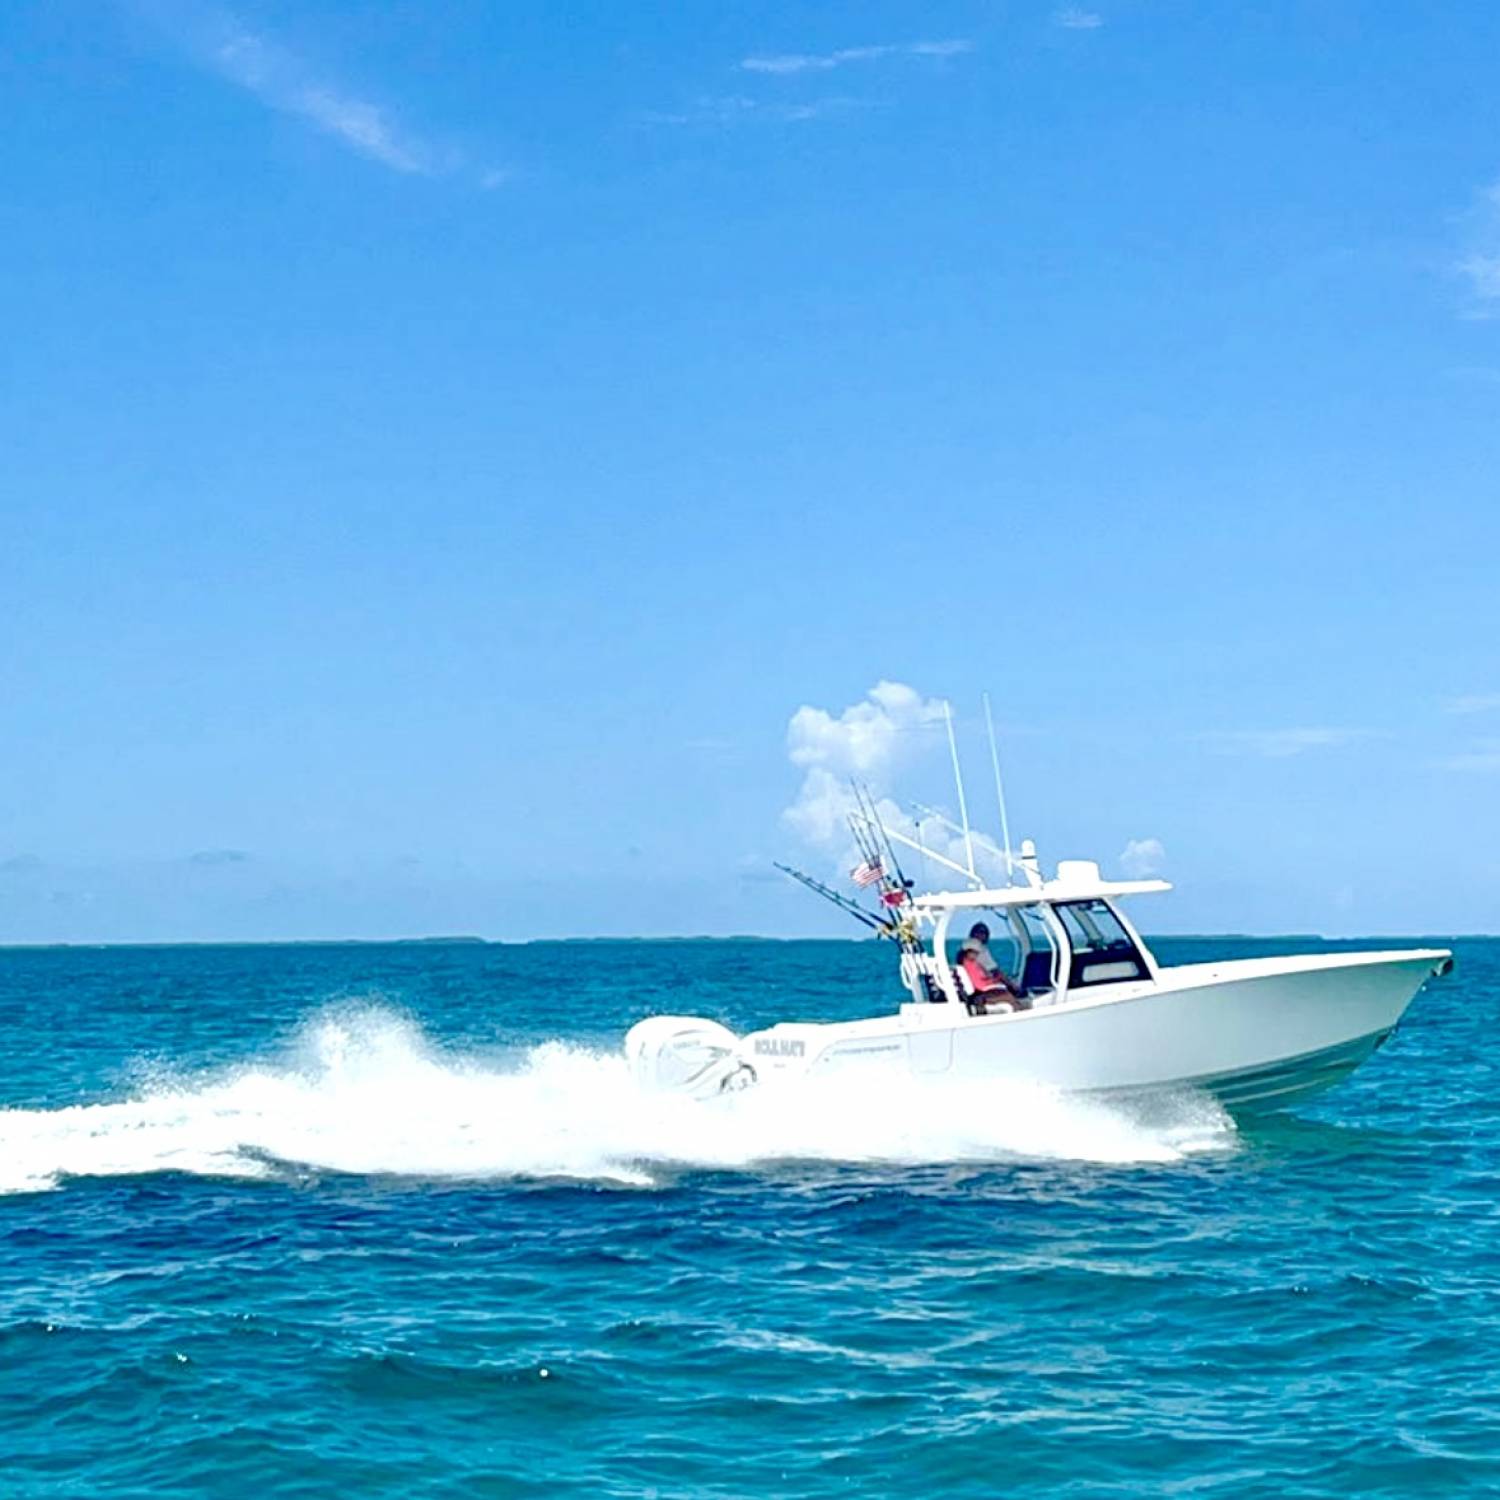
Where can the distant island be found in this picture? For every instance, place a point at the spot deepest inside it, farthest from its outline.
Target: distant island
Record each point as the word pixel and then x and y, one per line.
pixel 469 940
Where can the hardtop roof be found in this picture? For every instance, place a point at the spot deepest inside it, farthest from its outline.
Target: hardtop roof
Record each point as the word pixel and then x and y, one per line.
pixel 1049 892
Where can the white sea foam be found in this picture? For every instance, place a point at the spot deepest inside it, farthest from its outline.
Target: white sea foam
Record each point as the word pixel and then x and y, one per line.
pixel 365 1091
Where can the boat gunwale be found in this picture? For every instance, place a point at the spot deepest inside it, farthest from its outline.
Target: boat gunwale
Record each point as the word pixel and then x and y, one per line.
pixel 1250 970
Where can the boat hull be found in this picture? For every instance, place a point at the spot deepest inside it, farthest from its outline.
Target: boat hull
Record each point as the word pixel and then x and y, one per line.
pixel 1290 1080
pixel 1257 1034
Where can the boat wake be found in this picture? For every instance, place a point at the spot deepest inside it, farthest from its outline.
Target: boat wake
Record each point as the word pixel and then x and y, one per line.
pixel 363 1090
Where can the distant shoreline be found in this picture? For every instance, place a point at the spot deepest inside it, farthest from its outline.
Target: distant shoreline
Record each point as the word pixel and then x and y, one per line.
pixel 469 941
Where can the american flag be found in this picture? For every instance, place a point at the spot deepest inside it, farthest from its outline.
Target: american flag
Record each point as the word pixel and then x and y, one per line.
pixel 867 873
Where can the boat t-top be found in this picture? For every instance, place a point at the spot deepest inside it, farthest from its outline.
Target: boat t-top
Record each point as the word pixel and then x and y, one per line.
pixel 1074 999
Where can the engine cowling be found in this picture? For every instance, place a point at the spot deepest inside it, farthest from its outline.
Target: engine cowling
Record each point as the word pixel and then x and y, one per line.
pixel 686 1054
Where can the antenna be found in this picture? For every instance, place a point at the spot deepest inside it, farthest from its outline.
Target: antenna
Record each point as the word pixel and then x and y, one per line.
pixel 999 787
pixel 963 806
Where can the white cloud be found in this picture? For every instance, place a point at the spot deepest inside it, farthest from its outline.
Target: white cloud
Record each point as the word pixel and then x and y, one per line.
pixel 820 815
pixel 1072 18
pixel 283 81
pixel 1141 858
pixel 783 63
pixel 734 109
pixel 1472 703
pixel 869 738
pixel 1279 744
pixel 1482 272
pixel 891 729
pixel 1483 755
pixel 1480 265
pixel 280 80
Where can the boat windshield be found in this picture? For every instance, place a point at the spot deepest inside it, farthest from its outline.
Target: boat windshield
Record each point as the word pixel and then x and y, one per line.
pixel 1030 927
pixel 1103 952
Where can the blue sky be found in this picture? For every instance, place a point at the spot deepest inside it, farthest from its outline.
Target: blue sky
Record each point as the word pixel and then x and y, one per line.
pixel 442 447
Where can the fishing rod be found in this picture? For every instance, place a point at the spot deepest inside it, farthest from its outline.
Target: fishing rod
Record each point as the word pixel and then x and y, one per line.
pixel 855 910
pixel 874 838
pixel 870 832
pixel 895 874
pixel 863 843
pixel 873 861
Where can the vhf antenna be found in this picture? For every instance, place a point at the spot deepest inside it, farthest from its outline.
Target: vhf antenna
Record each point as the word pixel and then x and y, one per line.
pixel 963 806
pixel 989 723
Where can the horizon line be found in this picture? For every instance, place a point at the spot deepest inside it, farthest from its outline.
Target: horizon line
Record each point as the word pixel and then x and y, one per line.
pixel 470 940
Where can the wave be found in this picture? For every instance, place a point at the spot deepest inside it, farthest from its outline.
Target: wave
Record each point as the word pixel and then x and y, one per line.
pixel 364 1090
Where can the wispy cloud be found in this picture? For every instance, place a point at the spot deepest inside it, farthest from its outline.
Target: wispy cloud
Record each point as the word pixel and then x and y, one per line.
pixel 282 80
pixel 1482 755
pixel 823 62
pixel 1472 703
pixel 1073 18
pixel 1483 274
pixel 736 109
pixel 1279 744
pixel 1478 374
pixel 1479 266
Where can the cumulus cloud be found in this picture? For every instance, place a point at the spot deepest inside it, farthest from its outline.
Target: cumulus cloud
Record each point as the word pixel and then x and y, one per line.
pixel 1279 744
pixel 783 63
pixel 888 731
pixel 869 740
pixel 1141 858
pixel 1073 18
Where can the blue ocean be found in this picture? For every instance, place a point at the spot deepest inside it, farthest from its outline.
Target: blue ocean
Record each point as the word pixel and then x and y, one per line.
pixel 391 1220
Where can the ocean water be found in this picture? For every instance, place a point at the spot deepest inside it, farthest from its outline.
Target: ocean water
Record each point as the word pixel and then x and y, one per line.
pixel 370 1221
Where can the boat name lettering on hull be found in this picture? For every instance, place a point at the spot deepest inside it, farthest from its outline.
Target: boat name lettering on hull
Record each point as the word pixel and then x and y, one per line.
pixel 772 1046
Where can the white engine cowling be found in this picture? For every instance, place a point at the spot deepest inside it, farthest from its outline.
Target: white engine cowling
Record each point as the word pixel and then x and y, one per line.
pixel 686 1054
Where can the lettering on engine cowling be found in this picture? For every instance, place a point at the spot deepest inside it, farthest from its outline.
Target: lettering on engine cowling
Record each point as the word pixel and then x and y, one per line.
pixel 779 1046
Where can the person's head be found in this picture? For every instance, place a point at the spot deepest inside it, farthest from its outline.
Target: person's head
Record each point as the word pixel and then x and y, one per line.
pixel 980 933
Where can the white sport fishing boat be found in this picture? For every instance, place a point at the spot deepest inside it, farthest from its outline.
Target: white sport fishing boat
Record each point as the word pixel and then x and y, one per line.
pixel 1085 1007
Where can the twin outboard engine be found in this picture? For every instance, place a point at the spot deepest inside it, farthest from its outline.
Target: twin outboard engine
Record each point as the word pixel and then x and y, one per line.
pixel 687 1054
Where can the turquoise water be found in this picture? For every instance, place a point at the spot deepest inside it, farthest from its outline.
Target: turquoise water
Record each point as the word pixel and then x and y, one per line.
pixel 390 1221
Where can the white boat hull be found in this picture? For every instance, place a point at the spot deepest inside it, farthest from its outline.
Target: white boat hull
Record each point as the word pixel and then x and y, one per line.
pixel 1258 1033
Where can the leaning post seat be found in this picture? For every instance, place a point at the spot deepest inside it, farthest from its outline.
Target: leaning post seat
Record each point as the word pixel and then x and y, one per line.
pixel 975 999
pixel 1037 973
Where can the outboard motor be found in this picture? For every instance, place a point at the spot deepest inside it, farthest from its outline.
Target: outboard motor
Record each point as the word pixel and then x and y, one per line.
pixel 686 1054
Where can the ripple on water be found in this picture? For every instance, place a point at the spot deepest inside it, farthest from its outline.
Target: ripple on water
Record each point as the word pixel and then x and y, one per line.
pixel 415 1246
